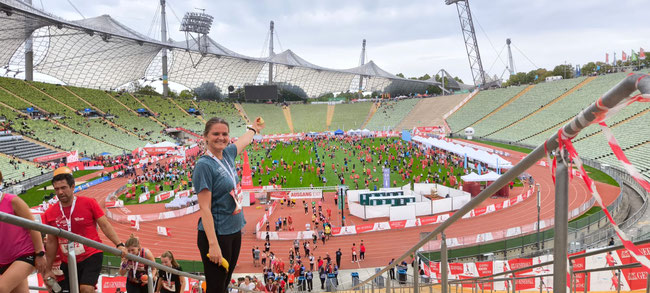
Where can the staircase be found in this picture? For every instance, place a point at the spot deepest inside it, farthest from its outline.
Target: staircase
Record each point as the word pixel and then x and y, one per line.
pixel 287 115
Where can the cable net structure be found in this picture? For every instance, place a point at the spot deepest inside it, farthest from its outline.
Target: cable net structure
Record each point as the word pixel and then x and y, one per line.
pixel 102 53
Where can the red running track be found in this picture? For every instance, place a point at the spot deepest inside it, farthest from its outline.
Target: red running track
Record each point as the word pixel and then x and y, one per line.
pixel 381 246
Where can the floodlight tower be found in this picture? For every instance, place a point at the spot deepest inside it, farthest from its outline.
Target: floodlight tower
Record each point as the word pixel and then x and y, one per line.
pixel 363 61
pixel 469 35
pixel 271 53
pixel 196 26
pixel 511 66
pixel 163 38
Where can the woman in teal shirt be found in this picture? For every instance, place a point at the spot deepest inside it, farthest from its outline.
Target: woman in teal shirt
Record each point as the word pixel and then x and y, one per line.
pixel 216 183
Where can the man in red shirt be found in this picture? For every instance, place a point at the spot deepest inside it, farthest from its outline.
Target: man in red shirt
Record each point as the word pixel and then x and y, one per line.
pixel 362 251
pixel 79 215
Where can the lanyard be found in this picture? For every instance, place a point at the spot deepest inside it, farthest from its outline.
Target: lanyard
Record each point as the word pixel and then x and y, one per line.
pixel 231 173
pixel 68 220
pixel 230 170
pixel 135 267
pixel 2 196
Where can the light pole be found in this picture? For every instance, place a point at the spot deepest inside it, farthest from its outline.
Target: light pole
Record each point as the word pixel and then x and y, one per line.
pixel 539 204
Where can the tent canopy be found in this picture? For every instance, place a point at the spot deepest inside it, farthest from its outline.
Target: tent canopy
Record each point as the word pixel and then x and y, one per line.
pixel 473 177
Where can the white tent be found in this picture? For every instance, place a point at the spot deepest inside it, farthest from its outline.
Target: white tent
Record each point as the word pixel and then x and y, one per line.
pixel 491 160
pixel 473 177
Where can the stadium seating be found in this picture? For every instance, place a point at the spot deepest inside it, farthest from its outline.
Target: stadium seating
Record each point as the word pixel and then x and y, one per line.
pixel 480 105
pixel 170 114
pixel 12 172
pixel 557 113
pixel 18 147
pixel 390 114
pixel 540 95
pixel 308 117
pixel 96 128
pixel 350 116
pixel 145 128
pixel 429 111
pixel 226 111
pixel 272 114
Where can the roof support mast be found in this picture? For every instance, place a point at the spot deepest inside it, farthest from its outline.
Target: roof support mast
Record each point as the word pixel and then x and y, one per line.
pixel 363 61
pixel 163 38
pixel 469 35
pixel 271 53
pixel 29 53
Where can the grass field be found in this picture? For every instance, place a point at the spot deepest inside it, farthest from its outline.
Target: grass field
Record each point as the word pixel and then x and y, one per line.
pixel 333 152
pixel 152 188
pixel 35 195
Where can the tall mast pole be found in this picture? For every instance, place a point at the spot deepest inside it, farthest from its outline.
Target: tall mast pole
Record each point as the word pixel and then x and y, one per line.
pixel 29 54
pixel 271 53
pixel 363 61
pixel 163 38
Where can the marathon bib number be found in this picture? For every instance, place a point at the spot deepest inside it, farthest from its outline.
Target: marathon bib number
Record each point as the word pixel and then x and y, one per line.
pixel 66 247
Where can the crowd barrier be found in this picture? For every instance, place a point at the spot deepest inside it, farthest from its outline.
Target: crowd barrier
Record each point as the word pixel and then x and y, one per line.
pixel 422 221
pixel 490 236
pixel 606 274
pixel 122 218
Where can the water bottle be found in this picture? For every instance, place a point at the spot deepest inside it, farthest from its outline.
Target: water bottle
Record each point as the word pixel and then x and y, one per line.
pixel 53 284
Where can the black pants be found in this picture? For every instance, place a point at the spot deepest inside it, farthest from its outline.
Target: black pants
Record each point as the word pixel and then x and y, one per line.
pixel 310 285
pixel 338 262
pixel 322 283
pixel 362 255
pixel 392 274
pixel 136 288
pixel 217 278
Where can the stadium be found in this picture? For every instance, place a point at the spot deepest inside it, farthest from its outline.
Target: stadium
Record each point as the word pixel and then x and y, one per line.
pixel 534 183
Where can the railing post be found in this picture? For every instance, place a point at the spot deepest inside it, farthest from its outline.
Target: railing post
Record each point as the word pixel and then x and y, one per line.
pixel 416 274
pixel 561 224
pixel 372 286
pixel 443 262
pixel 514 285
pixel 586 285
pixel 647 285
pixel 72 268
pixel 388 281
pixel 541 284
pixel 149 280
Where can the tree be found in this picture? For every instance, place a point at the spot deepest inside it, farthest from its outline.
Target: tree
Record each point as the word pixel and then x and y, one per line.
pixel 564 70
pixel 147 90
pixel 208 91
pixel 400 75
pixel 186 94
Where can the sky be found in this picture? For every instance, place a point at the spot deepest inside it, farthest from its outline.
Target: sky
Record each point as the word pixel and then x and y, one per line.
pixel 413 37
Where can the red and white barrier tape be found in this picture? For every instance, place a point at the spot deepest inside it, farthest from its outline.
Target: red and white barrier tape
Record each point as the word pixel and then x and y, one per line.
pixel 565 143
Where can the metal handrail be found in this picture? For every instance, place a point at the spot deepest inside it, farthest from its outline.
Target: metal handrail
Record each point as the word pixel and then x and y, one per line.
pixel 32 225
pixel 610 99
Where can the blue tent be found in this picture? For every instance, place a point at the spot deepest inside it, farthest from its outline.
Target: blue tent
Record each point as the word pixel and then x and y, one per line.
pixel 339 132
pixel 87 110
pixel 31 110
pixel 84 159
pixel 142 110
pixel 105 154
pixel 406 136
pixel 191 110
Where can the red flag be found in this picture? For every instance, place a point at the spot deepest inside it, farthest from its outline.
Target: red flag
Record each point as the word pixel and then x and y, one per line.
pixel 606 57
pixel 624 58
pixel 247 174
pixel 641 54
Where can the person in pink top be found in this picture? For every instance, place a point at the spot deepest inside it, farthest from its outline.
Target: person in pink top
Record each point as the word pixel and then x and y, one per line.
pixel 22 251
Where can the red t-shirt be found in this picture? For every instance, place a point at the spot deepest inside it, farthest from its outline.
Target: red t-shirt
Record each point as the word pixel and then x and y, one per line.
pixel 84 223
pixel 362 248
